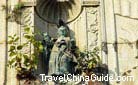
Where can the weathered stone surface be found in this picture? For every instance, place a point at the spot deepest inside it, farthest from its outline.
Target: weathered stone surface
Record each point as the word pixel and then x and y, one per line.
pixel 121 30
pixel 114 22
pixel 2 43
pixel 126 8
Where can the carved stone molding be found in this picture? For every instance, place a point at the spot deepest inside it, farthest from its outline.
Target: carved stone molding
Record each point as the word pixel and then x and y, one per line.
pixel 27 17
pixel 92 26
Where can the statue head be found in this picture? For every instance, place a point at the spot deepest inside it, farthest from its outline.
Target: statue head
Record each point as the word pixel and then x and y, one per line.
pixel 61 23
pixel 62 31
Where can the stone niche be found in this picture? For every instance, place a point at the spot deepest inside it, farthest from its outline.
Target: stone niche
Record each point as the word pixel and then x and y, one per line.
pixel 53 10
pixel 83 21
pixel 77 14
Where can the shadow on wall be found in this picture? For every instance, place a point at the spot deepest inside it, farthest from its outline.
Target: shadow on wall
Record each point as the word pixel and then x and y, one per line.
pixel 101 71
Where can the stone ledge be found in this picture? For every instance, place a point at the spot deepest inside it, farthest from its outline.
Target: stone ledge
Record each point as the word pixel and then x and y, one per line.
pixel 91 3
pixel 84 3
pixel 29 4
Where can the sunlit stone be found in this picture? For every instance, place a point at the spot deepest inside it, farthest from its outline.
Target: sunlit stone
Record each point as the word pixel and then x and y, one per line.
pixel 62 0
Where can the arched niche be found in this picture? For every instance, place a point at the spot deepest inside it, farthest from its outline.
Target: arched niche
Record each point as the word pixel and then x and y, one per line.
pixel 53 10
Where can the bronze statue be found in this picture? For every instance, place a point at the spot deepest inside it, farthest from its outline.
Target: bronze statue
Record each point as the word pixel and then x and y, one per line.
pixel 62 61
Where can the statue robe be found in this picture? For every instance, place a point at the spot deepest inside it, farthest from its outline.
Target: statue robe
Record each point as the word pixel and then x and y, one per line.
pixel 61 63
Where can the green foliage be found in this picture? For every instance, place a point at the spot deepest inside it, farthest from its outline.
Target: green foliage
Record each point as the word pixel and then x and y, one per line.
pixel 19 58
pixel 15 13
pixel 88 60
pixel 3 7
pixel 19 6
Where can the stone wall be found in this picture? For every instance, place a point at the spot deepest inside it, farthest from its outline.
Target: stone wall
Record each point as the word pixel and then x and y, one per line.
pixel 121 34
pixel 9 27
pixel 3 49
pixel 110 24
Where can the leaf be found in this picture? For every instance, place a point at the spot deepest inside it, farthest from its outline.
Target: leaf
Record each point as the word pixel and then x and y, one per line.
pixel 25 56
pixel 10 41
pixel 27 36
pixel 26 61
pixel 35 66
pixel 12 48
pixel 4 7
pixel 28 67
pixel 40 48
pixel 10 37
pixel 19 47
pixel 27 29
pixel 16 39
pixel 12 61
pixel 18 59
pixel 12 54
pixel 18 6
pixel 90 65
pixel 18 69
